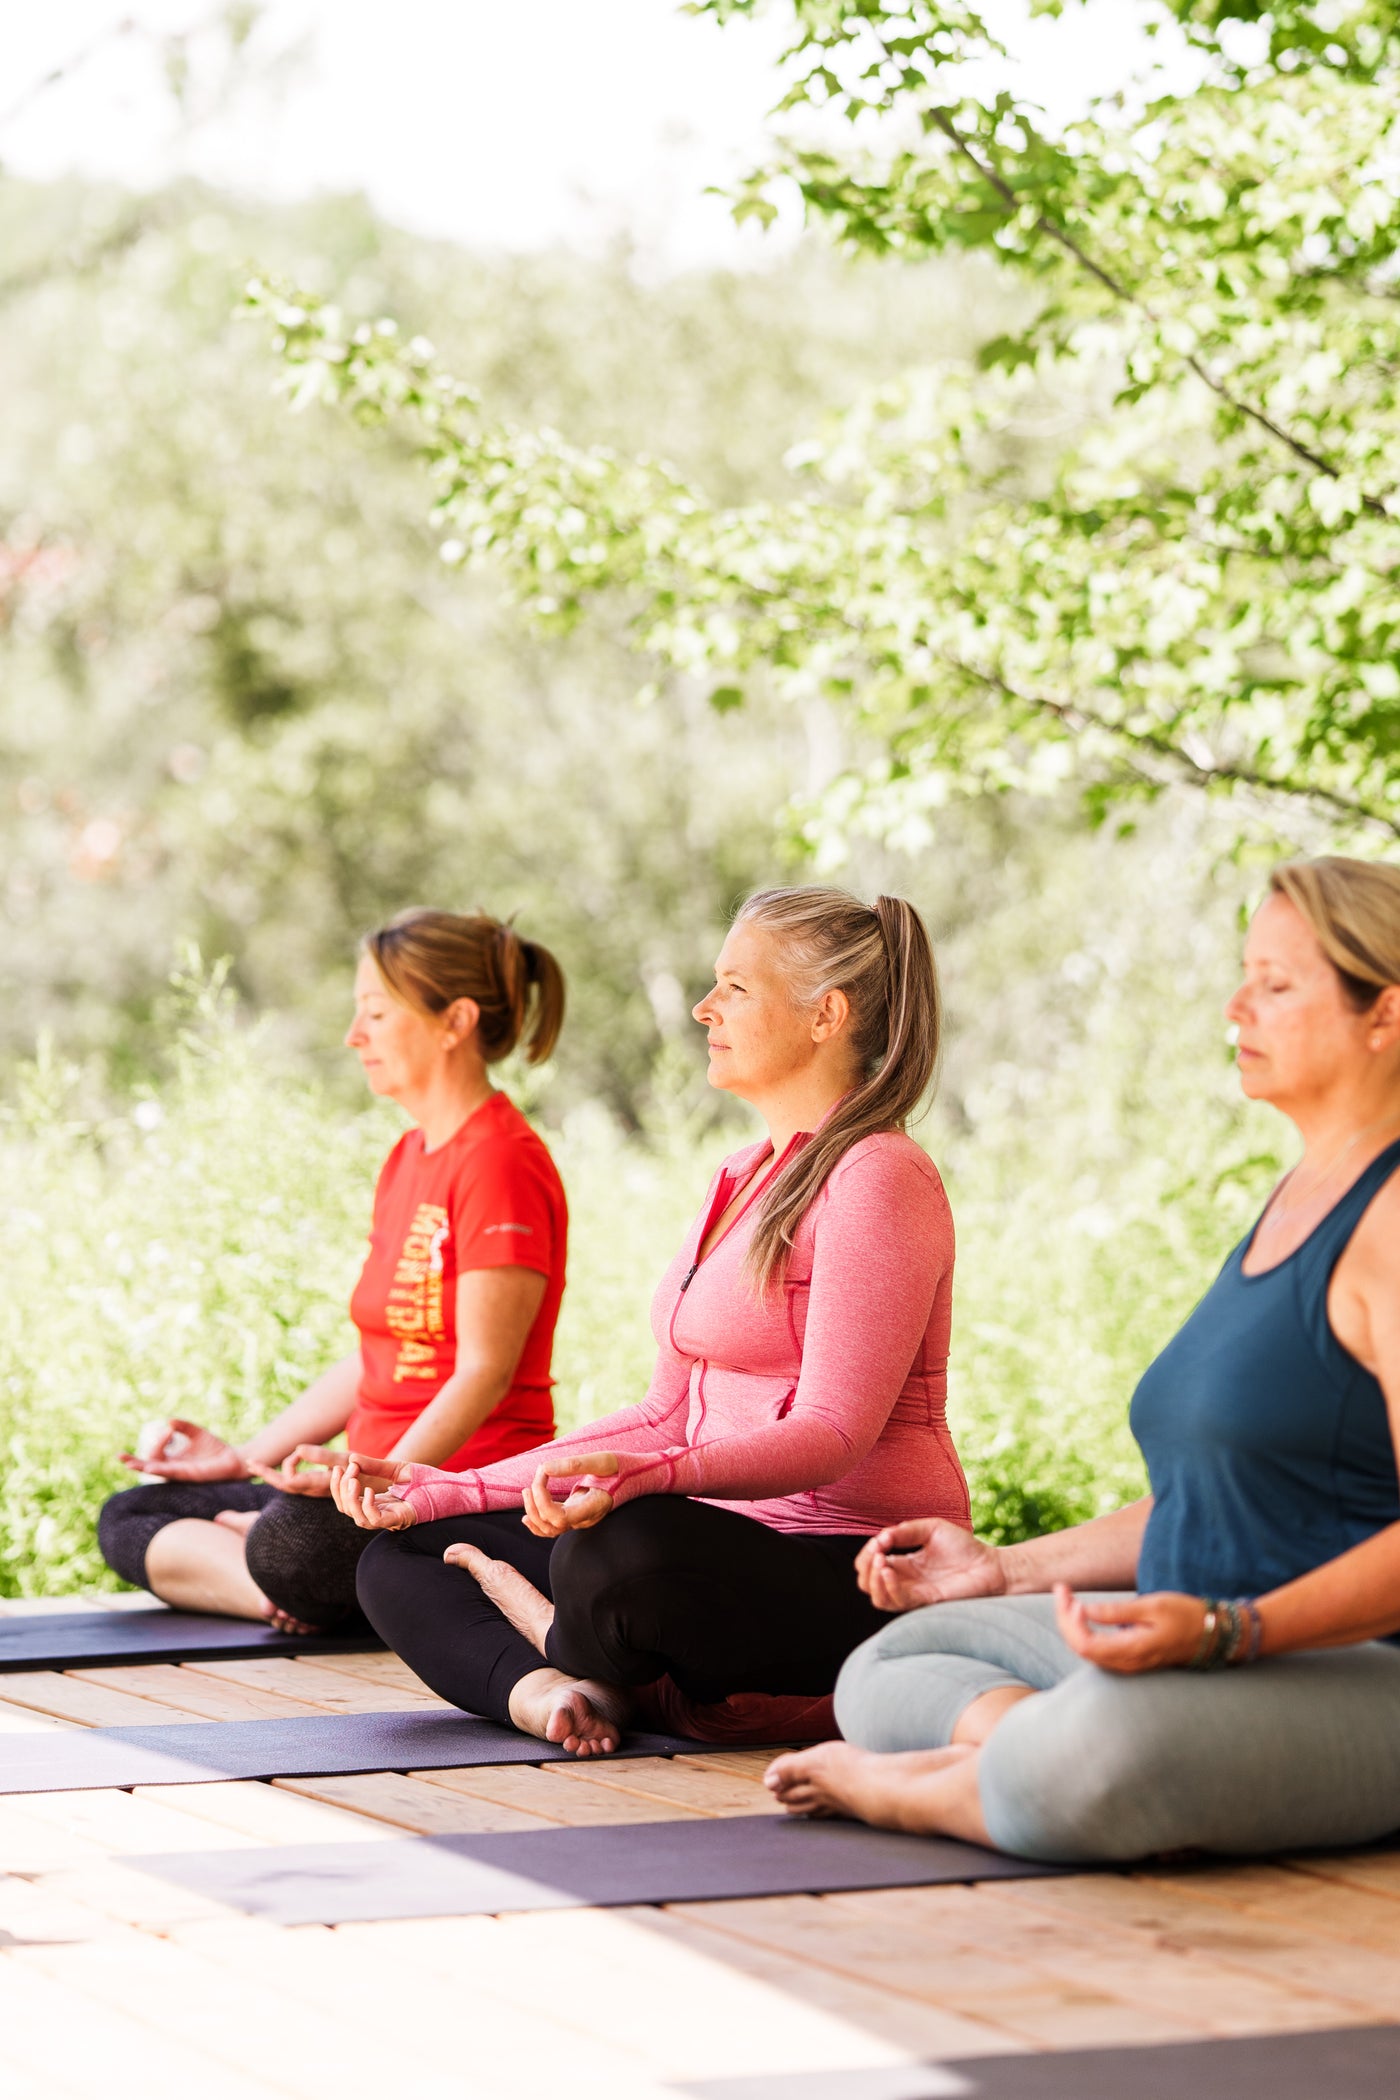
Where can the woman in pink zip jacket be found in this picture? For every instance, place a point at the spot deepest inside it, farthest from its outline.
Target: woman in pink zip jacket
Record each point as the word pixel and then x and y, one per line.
pixel 708 1533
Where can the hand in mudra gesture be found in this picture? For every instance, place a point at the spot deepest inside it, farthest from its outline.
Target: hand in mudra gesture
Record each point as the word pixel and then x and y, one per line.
pixel 585 1504
pixel 360 1489
pixel 324 1460
pixel 187 1451
pixel 1129 1634
pixel 927 1560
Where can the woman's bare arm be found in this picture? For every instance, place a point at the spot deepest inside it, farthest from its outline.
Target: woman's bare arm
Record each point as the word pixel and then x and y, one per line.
pixel 1099 1555
pixel 1355 1597
pixel 928 1560
pixel 318 1414
pixel 496 1309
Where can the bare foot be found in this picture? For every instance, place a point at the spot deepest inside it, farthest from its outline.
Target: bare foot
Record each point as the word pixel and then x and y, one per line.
pixel 529 1612
pixel 584 1717
pixel 239 1520
pixel 282 1621
pixel 837 1779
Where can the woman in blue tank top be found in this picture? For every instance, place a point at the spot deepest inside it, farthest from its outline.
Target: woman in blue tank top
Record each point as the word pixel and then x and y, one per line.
pixel 1217 1666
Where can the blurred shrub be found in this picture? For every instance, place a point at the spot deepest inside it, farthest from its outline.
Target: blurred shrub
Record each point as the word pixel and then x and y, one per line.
pixel 192 1257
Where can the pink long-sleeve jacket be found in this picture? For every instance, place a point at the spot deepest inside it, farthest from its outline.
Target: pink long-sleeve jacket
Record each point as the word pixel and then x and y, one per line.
pixel 820 1407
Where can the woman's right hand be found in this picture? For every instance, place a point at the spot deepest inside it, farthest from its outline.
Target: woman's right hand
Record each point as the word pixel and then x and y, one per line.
pixel 357 1496
pixel 187 1451
pixel 927 1560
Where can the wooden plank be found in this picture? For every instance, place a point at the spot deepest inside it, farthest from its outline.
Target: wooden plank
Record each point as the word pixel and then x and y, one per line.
pixel 124 1823
pixel 431 1975
pixel 24 2085
pixel 786 2014
pixel 23 1720
pixel 627 1982
pixel 1302 1902
pixel 189 1692
pixel 376 1668
pixel 115 1825
pixel 1284 1951
pixel 740 1764
pixel 675 1782
pixel 30 1846
pixel 391 1797
pixel 315 1685
pixel 33 1913
pixel 1139 1969
pixel 1376 1872
pixel 69 1698
pixel 43 1832
pixel 290 2043
pixel 83 2048
pixel 262 1812
pixel 875 1945
pixel 115 1890
pixel 542 1792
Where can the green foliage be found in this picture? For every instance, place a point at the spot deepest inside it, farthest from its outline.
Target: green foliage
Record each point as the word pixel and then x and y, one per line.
pixel 243 702
pixel 1189 572
pixel 192 1256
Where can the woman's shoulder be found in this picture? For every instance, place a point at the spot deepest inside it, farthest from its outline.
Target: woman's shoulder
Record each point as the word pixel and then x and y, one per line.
pixel 503 1139
pixel 887 1164
pixel 496 1145
pixel 405 1149
pixel 742 1162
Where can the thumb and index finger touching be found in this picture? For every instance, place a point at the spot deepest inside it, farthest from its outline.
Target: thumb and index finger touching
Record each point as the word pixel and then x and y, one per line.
pixel 575 1464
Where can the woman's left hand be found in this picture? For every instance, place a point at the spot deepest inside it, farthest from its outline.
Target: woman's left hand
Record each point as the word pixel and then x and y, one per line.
pixel 362 1491
pixel 291 1482
pixel 1161 1631
pixel 587 1502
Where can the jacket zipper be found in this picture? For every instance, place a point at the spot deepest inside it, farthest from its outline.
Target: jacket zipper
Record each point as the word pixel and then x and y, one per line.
pixel 717 1209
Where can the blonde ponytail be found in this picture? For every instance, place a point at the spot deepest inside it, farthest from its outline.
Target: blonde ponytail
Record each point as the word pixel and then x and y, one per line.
pixel 882 959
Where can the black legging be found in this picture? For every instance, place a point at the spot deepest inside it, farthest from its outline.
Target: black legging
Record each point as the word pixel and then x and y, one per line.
pixel 663 1586
pixel 301 1553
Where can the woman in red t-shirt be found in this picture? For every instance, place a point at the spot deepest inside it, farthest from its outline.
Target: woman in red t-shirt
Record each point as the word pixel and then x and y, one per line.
pixel 455 1306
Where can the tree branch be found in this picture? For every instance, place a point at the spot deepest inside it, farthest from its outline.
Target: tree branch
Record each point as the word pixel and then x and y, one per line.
pixel 1066 240
pixel 1076 717
pixel 1060 234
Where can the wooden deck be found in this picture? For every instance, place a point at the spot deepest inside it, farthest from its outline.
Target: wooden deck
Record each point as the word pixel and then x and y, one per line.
pixel 114 1983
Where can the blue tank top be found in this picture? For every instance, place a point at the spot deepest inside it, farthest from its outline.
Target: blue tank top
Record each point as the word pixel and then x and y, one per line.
pixel 1267 1444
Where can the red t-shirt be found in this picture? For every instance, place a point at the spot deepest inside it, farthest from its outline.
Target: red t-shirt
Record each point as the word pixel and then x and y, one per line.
pixel 490 1198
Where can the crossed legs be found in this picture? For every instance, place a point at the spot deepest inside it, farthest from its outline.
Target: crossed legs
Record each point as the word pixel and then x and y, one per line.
pixel 239 1547
pixel 1071 1763
pixel 502 1623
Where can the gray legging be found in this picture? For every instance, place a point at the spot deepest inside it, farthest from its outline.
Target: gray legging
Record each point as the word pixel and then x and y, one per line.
pixel 1295 1752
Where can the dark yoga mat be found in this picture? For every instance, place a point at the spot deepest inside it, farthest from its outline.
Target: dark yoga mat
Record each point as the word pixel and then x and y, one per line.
pixel 296 1748
pixel 1335 2063
pixel 90 1640
pixel 577 1868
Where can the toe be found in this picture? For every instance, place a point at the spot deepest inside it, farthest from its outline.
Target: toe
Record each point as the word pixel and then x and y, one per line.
pixel 466 1557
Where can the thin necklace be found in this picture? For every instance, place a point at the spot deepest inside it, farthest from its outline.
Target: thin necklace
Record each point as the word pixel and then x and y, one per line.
pixel 1279 1210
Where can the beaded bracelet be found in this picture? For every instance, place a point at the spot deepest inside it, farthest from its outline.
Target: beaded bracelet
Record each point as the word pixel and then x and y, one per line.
pixel 1244 1648
pixel 1231 1633
pixel 1210 1630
